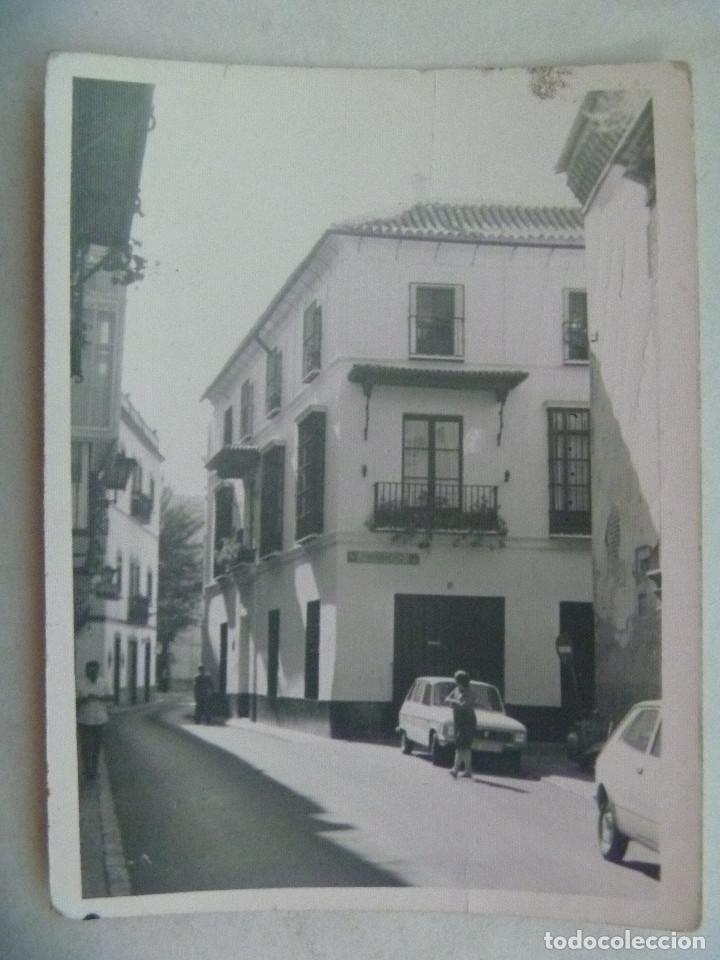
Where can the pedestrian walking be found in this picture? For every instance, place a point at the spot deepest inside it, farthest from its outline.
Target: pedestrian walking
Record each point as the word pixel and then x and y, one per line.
pixel 464 722
pixel 203 689
pixel 93 696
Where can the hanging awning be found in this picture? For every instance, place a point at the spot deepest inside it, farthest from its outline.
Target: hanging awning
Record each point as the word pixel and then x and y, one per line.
pixel 234 461
pixel 499 382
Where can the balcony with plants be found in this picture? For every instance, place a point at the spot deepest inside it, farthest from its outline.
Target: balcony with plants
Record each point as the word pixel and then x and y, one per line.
pixel 425 506
pixel 232 554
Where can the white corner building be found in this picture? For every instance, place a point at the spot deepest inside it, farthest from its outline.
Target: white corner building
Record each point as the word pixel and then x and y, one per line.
pixel 399 474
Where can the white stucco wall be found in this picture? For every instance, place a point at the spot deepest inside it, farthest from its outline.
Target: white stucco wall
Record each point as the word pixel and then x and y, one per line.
pixel 619 230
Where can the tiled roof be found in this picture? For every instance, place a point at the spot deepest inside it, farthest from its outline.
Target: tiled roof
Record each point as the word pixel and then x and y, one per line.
pixel 498 381
pixel 602 123
pixel 234 460
pixel 488 223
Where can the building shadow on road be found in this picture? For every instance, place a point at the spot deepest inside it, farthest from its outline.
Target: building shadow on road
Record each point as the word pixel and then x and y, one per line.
pixel 195 817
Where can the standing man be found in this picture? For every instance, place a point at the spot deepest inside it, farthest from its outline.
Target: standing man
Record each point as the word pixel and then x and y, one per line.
pixel 203 689
pixel 464 721
pixel 93 696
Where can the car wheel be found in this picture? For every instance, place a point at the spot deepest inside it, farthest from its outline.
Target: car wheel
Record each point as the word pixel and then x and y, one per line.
pixel 612 843
pixel 437 754
pixel 405 744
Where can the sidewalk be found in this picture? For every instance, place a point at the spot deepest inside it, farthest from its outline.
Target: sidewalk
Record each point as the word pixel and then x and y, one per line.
pixel 104 873
pixel 542 760
pixel 103 867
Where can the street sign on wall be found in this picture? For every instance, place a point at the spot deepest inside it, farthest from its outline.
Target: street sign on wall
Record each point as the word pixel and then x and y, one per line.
pixel 383 556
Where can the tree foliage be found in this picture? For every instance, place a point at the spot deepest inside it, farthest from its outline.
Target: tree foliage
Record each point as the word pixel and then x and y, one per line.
pixel 180 567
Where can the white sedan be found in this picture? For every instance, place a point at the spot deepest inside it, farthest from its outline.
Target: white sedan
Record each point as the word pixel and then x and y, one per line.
pixel 427 722
pixel 627 774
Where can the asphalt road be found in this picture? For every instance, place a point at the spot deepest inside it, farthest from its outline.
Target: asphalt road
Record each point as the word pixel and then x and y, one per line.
pixel 250 806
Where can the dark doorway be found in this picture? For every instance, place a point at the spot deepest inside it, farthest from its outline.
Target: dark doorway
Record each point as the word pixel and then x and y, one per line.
pixel 577 684
pixel 436 635
pixel 273 652
pixel 132 670
pixel 312 650
pixel 223 666
pixel 146 691
pixel 117 655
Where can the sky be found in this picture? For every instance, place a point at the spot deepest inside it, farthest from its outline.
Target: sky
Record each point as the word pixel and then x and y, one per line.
pixel 246 168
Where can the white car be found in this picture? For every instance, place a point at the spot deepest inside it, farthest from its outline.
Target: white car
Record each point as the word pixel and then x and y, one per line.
pixel 629 788
pixel 427 722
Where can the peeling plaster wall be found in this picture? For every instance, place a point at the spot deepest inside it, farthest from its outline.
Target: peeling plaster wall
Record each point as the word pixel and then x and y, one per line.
pixel 620 238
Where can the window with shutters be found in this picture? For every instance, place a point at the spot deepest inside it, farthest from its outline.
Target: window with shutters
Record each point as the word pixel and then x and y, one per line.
pixel 312 342
pixel 312 649
pixel 79 473
pixel 247 410
pixel 437 320
pixel 310 491
pixel 273 383
pixel 224 515
pixel 273 653
pixel 569 466
pixel 271 500
pixel 575 327
pixel 228 427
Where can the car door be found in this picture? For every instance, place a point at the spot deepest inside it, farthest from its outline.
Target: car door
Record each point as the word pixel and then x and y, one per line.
pixel 629 787
pixel 408 718
pixel 649 792
pixel 428 712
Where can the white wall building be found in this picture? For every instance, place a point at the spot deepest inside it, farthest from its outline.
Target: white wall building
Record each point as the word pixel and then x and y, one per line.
pixel 119 629
pixel 609 162
pixel 399 472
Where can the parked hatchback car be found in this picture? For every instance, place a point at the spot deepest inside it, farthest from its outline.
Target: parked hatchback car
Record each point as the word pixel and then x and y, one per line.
pixel 629 788
pixel 426 722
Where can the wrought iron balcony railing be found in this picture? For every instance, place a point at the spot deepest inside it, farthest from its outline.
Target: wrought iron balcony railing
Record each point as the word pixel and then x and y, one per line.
pixel 138 609
pixel 232 554
pixel 141 506
pixel 424 505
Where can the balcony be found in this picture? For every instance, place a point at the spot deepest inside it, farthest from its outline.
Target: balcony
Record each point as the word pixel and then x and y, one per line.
pixel 107 584
pixel 138 609
pixel 421 505
pixel 141 506
pixel 232 554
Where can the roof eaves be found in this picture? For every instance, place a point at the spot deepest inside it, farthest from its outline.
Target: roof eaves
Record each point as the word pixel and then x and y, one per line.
pixel 264 317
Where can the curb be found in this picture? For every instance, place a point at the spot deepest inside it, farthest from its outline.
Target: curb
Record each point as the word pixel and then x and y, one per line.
pixel 116 872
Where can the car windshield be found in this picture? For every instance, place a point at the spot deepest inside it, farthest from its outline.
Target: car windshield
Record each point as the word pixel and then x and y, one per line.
pixel 484 697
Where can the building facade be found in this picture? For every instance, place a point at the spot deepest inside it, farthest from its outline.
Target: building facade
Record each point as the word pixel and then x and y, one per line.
pixel 609 163
pixel 399 473
pixel 119 625
pixel 110 124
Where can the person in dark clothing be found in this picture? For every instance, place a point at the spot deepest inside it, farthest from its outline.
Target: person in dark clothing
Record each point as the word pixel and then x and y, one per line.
pixel 203 689
pixel 464 721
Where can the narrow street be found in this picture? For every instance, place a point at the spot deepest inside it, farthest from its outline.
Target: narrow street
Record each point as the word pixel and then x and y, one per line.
pixel 246 806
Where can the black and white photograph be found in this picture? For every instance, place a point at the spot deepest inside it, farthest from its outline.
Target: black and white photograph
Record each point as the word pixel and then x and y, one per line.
pixel 373 544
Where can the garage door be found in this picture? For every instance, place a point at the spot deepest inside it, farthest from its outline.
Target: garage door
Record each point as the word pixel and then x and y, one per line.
pixel 437 635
